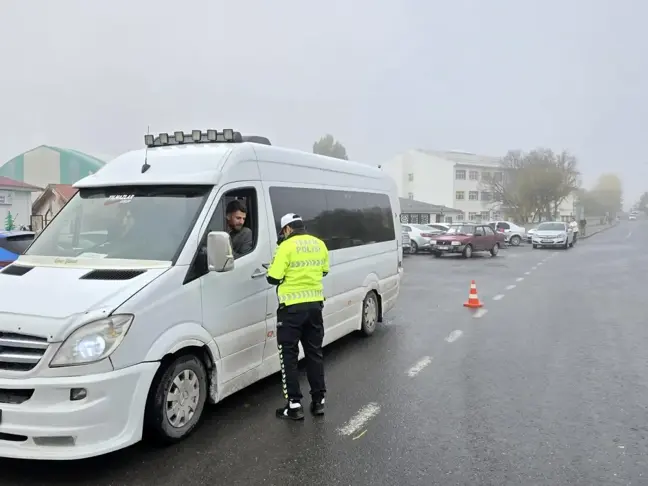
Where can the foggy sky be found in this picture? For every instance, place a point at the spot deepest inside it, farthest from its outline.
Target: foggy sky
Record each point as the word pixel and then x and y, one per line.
pixel 383 77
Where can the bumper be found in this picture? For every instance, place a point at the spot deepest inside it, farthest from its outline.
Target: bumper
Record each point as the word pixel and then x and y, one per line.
pixel 449 248
pixel 50 426
pixel 549 244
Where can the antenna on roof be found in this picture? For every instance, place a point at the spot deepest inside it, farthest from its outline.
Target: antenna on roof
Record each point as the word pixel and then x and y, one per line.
pixel 145 165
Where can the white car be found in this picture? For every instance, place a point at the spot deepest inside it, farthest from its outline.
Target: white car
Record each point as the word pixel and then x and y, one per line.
pixel 553 234
pixel 529 234
pixel 513 234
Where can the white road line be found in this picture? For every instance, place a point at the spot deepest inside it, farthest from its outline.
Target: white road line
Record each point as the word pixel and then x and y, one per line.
pixel 629 235
pixel 364 415
pixel 527 273
pixel 534 268
pixel 539 263
pixel 519 279
pixel 453 336
pixel 480 313
pixel 510 287
pixel 498 297
pixel 418 367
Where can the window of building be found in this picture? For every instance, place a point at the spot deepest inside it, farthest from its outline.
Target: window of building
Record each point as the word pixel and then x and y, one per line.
pixel 410 176
pixel 460 175
pixel 460 217
pixel 486 196
pixel 448 219
pixel 486 176
pixel 473 175
pixel 497 177
pixel 342 219
pixel 473 195
pixel 460 195
pixel 497 197
pixel 485 215
pixel 410 195
pixel 472 216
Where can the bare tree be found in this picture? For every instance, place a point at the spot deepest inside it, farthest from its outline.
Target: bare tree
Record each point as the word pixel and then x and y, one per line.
pixel 534 184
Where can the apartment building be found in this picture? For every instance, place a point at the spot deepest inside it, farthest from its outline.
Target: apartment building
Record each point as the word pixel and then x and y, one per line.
pixel 454 179
pixel 447 178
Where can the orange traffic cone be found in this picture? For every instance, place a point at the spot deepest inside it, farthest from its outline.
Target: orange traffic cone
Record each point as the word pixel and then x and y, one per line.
pixel 473 301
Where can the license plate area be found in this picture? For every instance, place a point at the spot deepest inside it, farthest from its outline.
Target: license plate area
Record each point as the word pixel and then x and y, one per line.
pixel 547 241
pixel 444 247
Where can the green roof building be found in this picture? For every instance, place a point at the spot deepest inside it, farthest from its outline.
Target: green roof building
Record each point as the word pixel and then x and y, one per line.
pixel 51 165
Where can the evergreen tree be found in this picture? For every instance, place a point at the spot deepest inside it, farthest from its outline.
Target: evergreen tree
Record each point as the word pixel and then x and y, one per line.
pixel 9 222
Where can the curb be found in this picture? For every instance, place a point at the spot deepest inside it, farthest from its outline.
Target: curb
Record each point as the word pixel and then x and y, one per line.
pixel 599 231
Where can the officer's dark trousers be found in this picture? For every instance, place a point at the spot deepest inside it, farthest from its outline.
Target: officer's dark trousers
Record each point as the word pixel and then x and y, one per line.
pixel 295 323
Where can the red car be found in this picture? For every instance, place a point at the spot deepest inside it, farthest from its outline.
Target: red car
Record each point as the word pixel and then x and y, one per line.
pixel 468 238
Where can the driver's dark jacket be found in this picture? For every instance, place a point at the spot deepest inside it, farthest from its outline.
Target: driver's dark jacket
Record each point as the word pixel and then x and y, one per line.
pixel 242 241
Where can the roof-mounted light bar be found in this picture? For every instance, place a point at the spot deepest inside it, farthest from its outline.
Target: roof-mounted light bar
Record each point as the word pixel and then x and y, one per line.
pixel 197 136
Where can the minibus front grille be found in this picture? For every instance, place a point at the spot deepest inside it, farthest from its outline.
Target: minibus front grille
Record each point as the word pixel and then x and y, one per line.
pixel 21 352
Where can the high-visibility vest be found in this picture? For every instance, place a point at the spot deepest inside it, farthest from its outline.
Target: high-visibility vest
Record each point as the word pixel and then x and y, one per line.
pixel 300 264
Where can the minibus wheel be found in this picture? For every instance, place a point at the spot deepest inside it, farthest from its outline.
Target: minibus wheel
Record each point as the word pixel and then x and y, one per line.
pixel 176 399
pixel 370 310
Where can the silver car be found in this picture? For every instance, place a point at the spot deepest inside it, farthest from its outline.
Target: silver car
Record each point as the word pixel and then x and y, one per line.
pixel 553 234
pixel 421 236
pixel 407 245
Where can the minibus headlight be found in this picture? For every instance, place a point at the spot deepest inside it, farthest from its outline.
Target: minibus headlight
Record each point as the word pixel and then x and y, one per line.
pixel 93 341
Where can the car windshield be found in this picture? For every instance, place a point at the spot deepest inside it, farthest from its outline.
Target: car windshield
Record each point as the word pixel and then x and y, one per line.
pixel 133 223
pixel 463 229
pixel 551 227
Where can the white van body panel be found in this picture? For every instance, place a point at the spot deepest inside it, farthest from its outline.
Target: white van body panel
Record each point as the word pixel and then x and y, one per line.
pixel 231 315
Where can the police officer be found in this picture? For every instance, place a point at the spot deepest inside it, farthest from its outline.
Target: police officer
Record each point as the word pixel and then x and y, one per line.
pixel 300 263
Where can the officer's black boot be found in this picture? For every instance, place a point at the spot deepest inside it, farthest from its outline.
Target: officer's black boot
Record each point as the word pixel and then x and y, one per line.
pixel 291 411
pixel 317 406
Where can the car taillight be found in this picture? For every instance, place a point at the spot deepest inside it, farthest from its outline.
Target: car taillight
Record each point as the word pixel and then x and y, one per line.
pixel 427 235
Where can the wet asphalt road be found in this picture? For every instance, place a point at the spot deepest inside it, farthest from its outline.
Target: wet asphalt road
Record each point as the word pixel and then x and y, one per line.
pixel 548 386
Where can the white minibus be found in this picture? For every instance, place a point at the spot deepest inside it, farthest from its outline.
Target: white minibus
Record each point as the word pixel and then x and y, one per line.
pixel 129 311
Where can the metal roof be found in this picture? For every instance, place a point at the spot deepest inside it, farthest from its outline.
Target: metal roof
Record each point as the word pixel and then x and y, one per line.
pixel 413 206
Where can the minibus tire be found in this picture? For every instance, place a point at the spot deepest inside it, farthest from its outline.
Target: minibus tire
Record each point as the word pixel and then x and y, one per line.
pixel 157 424
pixel 370 306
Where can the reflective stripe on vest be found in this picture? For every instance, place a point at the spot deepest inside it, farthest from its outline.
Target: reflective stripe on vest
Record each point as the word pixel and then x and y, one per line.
pixel 303 280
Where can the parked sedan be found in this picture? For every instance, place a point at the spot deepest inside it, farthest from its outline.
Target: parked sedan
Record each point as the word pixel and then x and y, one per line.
pixel 554 234
pixel 438 227
pixel 13 244
pixel 407 244
pixel 467 239
pixel 420 235
pixel 513 233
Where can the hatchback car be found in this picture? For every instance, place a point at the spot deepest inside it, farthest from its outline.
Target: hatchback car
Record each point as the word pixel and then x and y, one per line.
pixel 13 244
pixel 553 234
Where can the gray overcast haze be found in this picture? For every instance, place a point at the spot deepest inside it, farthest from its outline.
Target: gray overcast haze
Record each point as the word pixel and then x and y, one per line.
pixel 382 77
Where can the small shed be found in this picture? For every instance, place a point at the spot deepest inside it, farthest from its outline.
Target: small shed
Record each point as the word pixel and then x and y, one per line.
pixel 419 212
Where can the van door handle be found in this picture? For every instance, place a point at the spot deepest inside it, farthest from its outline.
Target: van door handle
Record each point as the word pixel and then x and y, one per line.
pixel 259 273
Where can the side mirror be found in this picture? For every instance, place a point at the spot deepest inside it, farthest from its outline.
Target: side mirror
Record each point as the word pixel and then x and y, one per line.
pixel 220 257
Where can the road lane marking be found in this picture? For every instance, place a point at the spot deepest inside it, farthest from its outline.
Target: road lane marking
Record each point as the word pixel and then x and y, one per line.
pixel 364 415
pixel 539 263
pixel 360 434
pixel 498 297
pixel 534 268
pixel 480 313
pixel 527 273
pixel 629 235
pixel 519 279
pixel 418 367
pixel 453 336
pixel 510 287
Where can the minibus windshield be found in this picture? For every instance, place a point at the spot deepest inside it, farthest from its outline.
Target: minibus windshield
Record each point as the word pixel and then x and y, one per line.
pixel 127 222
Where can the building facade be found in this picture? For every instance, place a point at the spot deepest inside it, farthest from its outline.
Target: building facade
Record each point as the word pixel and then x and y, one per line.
pixel 49 203
pixel 15 200
pixel 454 179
